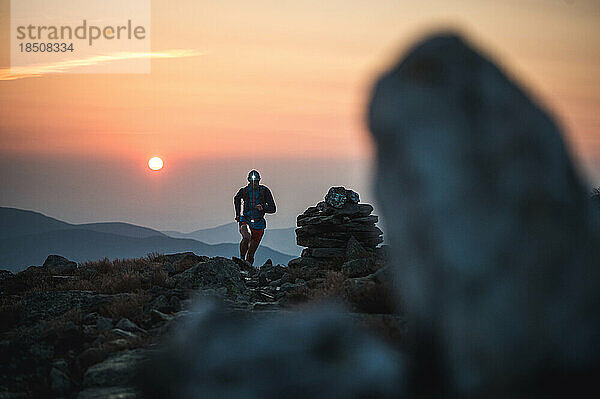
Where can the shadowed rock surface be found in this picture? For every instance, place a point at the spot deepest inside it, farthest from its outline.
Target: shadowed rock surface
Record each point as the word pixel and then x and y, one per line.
pixel 495 241
pixel 313 354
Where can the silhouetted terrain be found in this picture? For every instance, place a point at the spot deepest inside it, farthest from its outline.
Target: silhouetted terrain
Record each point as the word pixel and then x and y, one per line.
pixel 18 222
pixel 27 238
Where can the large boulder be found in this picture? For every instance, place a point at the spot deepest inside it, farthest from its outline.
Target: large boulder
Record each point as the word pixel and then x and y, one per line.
pixel 59 265
pixel 495 242
pixel 214 273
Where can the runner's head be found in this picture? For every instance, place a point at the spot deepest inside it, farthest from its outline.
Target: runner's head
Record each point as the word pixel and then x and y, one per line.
pixel 254 178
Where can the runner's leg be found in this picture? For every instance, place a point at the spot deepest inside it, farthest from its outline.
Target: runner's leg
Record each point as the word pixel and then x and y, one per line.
pixel 245 232
pixel 254 241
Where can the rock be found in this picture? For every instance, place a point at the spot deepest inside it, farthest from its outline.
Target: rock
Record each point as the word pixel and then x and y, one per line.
pixel 293 293
pixel 104 323
pixel 304 261
pixel 4 274
pixel 244 265
pixel 368 295
pixel 118 345
pixel 48 305
pixel 56 264
pixel 159 317
pixel 313 241
pixel 60 382
pixel 90 318
pixel 325 252
pixel 254 283
pixel 89 357
pixel 286 287
pixel 356 268
pixel 218 272
pixel 318 354
pixel 356 251
pixel 271 273
pixel 178 262
pixel 268 262
pixel 174 303
pixel 495 242
pixel 161 303
pixel 311 272
pixel 108 393
pixel 320 220
pixel 128 325
pixel 13 395
pixel 117 370
pixel 61 364
pixel 265 306
pixel 286 278
pixel 337 197
pixel 123 334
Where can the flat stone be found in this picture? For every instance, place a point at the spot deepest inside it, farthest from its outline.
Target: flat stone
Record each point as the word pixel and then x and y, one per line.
pixel 108 393
pixel 356 268
pixel 319 220
pixel 314 241
pixel 326 252
pixel 116 370
pixel 123 334
pixel 157 316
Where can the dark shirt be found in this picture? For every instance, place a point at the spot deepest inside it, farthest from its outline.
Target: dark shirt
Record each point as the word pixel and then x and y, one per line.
pixel 252 197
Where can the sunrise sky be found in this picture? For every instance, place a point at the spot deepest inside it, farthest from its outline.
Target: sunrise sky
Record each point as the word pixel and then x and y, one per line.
pixel 273 85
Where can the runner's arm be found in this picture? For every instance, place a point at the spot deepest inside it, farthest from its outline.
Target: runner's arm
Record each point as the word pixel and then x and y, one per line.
pixel 237 203
pixel 269 205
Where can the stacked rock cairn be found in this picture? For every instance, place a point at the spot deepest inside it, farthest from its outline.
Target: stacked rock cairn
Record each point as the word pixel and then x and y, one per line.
pixel 333 226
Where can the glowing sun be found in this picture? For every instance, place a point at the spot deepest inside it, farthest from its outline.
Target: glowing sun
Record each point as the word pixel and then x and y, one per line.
pixel 155 163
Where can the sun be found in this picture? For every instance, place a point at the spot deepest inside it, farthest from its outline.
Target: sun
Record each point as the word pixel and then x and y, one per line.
pixel 155 163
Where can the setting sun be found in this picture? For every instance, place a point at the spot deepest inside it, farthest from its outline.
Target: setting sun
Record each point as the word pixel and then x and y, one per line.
pixel 155 163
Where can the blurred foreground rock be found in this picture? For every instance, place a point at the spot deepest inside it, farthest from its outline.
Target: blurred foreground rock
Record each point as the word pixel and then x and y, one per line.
pixel 318 353
pixel 496 244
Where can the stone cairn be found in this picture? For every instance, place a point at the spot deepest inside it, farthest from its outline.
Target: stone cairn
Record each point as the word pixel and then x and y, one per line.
pixel 327 228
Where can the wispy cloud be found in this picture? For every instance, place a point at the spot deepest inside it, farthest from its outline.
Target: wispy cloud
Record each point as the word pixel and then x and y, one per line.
pixel 64 66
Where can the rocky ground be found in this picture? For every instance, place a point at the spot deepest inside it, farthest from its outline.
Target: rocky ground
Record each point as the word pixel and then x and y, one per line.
pixel 82 330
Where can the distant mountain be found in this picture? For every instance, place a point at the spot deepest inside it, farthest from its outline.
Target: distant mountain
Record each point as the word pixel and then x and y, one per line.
pixel 120 228
pixel 283 240
pixel 17 222
pixel 27 238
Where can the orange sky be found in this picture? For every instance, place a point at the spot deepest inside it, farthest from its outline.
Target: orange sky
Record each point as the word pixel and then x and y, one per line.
pixel 289 79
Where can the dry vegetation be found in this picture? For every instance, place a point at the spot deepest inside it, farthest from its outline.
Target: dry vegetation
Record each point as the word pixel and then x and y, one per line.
pixel 103 276
pixel 132 276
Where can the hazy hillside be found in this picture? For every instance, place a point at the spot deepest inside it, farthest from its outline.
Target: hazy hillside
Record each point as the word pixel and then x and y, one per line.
pixel 17 222
pixel 120 228
pixel 28 238
pixel 282 240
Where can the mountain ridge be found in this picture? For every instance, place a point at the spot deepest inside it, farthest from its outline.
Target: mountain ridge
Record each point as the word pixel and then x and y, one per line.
pixel 28 243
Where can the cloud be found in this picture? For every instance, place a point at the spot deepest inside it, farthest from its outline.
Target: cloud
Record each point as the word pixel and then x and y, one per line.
pixel 38 70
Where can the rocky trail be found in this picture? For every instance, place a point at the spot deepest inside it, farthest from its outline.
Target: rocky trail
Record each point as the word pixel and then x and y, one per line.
pixel 83 330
